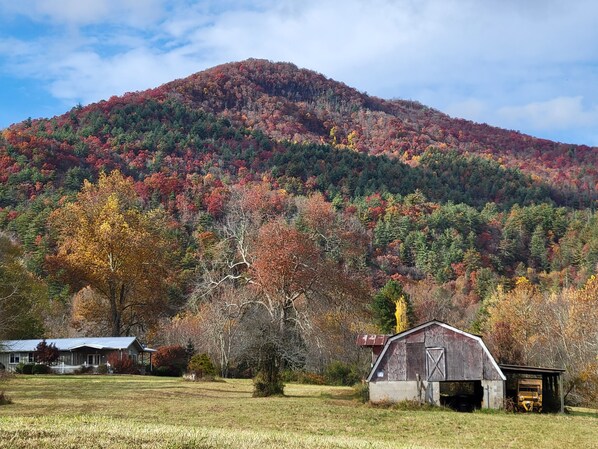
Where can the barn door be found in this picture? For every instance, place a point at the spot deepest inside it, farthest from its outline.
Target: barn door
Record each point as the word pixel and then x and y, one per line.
pixel 436 364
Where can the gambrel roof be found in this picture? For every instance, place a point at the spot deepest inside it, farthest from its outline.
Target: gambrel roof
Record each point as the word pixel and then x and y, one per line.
pixel 404 334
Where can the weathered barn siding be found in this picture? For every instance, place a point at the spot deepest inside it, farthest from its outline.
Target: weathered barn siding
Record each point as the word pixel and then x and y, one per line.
pixel 414 363
pixel 494 394
pixel 465 358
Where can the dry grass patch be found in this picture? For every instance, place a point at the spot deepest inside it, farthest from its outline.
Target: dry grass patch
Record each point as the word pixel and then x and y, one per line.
pixel 152 412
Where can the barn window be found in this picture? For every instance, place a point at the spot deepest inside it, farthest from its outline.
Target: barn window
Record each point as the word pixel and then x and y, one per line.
pixel 436 364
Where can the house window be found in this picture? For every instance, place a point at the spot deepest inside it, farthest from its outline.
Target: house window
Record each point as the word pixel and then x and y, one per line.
pixel 15 358
pixel 31 357
pixel 93 359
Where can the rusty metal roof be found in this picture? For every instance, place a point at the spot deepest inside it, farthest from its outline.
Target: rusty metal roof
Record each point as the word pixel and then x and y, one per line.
pixel 368 340
pixel 530 369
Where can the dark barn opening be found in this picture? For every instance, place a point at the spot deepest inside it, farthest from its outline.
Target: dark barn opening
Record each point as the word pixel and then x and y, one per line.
pixel 463 396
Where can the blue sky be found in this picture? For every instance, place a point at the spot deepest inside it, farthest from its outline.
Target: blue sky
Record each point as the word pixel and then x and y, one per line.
pixel 526 65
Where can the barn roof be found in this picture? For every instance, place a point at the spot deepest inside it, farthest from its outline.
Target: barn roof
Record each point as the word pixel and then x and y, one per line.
pixel 427 324
pixel 68 344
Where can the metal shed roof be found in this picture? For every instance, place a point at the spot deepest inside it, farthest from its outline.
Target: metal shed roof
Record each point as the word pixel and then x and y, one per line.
pixel 530 369
pixel 368 340
pixel 67 344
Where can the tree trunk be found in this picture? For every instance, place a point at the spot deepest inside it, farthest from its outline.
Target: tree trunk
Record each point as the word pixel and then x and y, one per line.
pixel 115 315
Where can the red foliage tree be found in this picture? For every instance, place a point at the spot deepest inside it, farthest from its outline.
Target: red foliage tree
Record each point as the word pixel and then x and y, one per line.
pixel 46 353
pixel 122 363
pixel 173 357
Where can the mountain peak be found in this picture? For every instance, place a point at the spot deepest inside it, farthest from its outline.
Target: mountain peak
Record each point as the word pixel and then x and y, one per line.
pixel 287 103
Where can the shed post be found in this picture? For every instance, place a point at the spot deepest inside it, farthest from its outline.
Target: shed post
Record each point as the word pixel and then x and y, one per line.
pixel 562 397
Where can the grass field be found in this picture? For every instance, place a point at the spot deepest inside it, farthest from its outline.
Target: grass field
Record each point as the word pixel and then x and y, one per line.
pixel 151 412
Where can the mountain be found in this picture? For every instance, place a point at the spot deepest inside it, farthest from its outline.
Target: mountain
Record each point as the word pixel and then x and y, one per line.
pixel 285 102
pixel 256 118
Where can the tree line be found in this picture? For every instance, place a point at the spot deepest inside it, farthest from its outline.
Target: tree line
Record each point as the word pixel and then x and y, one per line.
pixel 269 281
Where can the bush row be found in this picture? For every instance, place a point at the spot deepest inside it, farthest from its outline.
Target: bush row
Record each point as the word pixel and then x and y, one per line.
pixel 337 373
pixel 32 368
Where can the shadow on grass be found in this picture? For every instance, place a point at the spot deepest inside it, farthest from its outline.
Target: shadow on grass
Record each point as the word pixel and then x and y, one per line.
pixel 584 413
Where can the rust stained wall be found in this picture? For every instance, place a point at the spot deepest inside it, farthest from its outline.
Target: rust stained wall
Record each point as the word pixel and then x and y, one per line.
pixel 465 358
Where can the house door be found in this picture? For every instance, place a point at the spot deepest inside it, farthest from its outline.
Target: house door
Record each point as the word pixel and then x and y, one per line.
pixel 436 364
pixel 93 359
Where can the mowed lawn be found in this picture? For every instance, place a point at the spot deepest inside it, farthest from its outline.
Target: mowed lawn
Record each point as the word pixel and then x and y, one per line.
pixel 153 412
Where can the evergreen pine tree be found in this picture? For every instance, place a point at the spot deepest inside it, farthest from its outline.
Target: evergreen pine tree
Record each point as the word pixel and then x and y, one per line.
pixel 384 307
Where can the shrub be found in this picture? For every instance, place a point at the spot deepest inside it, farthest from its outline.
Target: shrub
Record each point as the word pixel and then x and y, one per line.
pixel 102 369
pixel 19 368
pixel 265 385
pixel 289 375
pixel 40 368
pixel 362 391
pixel 202 366
pixel 4 399
pixel 84 370
pixel 122 363
pixel 27 368
pixel 166 371
pixel 174 357
pixel 338 373
pixel 303 377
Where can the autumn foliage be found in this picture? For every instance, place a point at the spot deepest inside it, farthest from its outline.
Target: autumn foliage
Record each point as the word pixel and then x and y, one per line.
pixel 256 209
pixel 172 358
pixel 46 353
pixel 121 363
pixel 108 244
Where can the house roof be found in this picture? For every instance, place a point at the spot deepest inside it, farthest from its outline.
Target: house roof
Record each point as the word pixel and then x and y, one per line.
pixel 424 325
pixel 67 344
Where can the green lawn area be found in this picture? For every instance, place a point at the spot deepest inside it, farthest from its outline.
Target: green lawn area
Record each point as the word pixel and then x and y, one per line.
pixel 153 412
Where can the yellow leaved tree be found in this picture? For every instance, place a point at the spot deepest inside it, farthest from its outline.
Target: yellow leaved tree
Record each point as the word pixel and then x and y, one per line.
pixel 116 251
pixel 401 309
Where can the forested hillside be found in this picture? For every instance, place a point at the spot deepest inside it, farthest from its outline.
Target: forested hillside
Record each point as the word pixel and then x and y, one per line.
pixel 256 208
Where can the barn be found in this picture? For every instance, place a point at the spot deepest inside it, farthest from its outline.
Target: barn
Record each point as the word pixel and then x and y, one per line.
pixel 439 364
pixel 442 365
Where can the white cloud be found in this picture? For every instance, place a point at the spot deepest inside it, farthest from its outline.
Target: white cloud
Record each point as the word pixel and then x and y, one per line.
pixel 469 58
pixel 86 12
pixel 471 108
pixel 87 77
pixel 558 113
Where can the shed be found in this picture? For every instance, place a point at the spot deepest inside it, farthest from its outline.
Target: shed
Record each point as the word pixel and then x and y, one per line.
pixel 552 384
pixel 374 342
pixel 439 364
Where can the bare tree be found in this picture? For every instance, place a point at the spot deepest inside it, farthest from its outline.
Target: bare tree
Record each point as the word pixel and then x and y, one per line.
pixel 294 258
